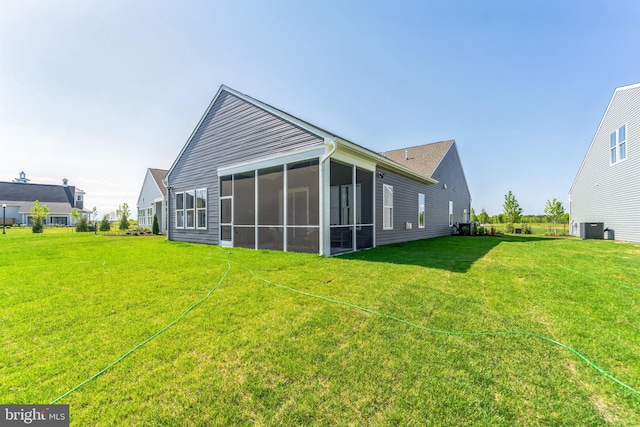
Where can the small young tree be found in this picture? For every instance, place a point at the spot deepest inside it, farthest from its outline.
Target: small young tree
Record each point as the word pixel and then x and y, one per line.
pixel 512 209
pixel 155 228
pixel 105 224
pixel 38 214
pixel 123 213
pixel 75 215
pixel 94 212
pixel 474 217
pixel 554 211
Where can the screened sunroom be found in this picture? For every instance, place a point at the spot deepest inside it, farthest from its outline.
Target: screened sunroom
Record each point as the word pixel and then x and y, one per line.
pixel 255 214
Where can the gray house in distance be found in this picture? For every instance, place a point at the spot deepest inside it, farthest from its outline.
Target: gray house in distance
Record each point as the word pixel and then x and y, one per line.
pixel 449 201
pixel 253 176
pixel 19 196
pixel 607 186
pixel 153 200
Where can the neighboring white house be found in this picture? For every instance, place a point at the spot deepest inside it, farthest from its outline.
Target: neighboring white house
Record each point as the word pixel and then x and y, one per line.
pixel 607 186
pixel 18 197
pixel 153 200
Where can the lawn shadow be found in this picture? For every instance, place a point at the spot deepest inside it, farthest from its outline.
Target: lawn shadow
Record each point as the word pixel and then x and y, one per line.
pixel 453 253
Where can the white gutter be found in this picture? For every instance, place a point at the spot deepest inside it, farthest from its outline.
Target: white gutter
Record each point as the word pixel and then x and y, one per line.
pixel 334 147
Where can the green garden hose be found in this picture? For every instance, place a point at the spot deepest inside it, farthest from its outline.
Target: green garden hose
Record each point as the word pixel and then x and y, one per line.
pixel 445 332
pixel 121 358
pixel 355 306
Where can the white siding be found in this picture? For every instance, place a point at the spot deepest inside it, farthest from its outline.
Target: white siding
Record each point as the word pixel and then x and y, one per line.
pixel 609 193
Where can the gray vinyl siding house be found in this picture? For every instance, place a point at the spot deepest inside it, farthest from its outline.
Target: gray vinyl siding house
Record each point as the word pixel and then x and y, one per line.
pixel 607 186
pixel 253 176
pixel 441 162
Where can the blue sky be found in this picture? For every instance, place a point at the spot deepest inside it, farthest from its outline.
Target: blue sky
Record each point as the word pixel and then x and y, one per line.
pixel 97 91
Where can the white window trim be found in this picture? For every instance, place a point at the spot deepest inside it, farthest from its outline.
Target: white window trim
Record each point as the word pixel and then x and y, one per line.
pixel 616 148
pixel 386 205
pixel 422 210
pixel 186 210
pixel 206 204
pixel 450 213
pixel 176 210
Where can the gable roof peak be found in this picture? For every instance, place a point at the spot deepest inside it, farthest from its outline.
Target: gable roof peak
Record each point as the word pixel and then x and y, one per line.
pixel 424 158
pixel 631 86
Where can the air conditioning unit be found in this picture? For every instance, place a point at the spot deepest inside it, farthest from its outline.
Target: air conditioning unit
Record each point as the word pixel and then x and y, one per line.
pixel 592 230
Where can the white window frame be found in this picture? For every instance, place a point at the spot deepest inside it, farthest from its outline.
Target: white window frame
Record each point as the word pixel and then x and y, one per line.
pixel 422 216
pixel 180 211
pixel 616 144
pixel 191 210
pixel 622 142
pixel 387 207
pixel 201 193
pixel 450 213
pixel 225 243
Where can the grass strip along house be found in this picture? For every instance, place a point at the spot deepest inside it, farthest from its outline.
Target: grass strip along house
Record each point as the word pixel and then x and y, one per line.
pixel 253 176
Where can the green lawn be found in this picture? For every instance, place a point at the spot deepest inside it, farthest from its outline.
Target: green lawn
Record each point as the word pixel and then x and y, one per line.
pixel 296 339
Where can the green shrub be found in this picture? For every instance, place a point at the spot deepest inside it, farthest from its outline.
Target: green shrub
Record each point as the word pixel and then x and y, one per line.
pixel 105 225
pixel 156 227
pixel 82 225
pixel 37 226
pixel 509 228
pixel 124 223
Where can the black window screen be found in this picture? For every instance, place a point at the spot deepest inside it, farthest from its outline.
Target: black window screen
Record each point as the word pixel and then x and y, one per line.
pixel 303 199
pixel 244 199
pixel 270 200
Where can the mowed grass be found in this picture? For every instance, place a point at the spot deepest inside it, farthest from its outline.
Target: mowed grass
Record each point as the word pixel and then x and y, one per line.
pixel 255 353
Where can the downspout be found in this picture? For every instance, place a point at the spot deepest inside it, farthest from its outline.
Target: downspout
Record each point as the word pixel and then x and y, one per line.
pixel 165 181
pixel 334 147
pixel 323 189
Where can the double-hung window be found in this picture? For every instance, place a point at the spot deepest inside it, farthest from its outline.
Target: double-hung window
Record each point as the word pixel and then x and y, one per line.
pixel 201 208
pixel 618 145
pixel 179 210
pixel 387 207
pixel 189 208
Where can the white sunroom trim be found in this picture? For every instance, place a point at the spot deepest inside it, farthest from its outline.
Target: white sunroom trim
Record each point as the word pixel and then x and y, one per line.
pixel 275 160
pixel 352 160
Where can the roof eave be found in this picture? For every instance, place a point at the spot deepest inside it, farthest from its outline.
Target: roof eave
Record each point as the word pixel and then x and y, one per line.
pixel 384 162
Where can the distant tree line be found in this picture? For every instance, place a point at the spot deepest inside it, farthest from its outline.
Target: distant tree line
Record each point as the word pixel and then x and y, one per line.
pixel 554 215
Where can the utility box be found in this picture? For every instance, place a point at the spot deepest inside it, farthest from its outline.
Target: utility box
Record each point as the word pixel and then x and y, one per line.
pixel 592 230
pixel 609 234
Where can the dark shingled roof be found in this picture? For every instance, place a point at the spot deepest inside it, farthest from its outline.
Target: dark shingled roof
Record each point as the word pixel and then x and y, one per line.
pixel 423 159
pixel 21 192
